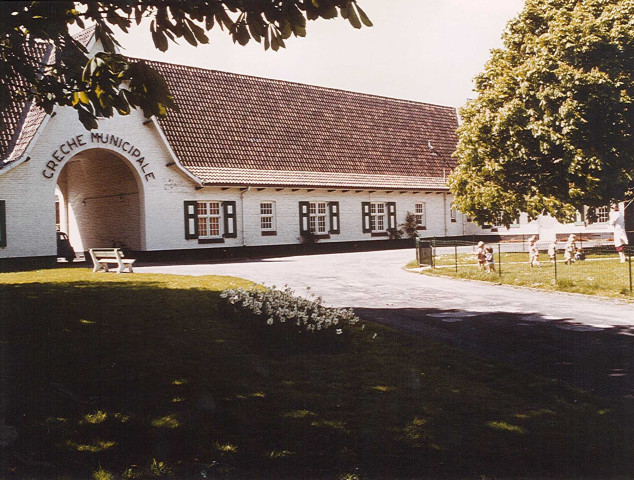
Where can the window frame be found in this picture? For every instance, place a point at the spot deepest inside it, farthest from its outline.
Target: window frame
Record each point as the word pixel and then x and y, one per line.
pixel 375 215
pixel 316 214
pixel 271 216
pixel 203 219
pixel 421 217
pixel 603 212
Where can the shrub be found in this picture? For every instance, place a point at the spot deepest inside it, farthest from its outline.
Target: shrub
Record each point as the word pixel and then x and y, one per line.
pixel 293 320
pixel 410 226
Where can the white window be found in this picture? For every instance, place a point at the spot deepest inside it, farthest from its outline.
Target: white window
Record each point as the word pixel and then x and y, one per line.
pixel 421 215
pixel 317 217
pixel 452 212
pixel 377 217
pixel 209 220
pixel 603 214
pixel 267 216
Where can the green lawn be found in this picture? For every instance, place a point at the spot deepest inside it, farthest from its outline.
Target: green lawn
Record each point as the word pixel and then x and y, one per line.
pixel 111 376
pixel 600 274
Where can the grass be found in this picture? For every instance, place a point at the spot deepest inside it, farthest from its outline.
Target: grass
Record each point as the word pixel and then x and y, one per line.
pixel 600 274
pixel 111 376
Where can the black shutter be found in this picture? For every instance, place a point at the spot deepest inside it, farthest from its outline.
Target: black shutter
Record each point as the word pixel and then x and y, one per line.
pixel 3 224
pixel 365 219
pixel 333 208
pixel 191 220
pixel 229 211
pixel 391 215
pixel 304 217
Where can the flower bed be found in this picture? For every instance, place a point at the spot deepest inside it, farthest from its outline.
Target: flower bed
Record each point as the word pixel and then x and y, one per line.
pixel 290 321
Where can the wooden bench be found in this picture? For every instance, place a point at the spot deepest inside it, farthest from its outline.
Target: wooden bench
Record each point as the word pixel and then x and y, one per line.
pixel 102 257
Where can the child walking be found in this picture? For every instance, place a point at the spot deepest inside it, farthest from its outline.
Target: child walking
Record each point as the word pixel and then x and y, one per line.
pixel 552 250
pixel 490 259
pixel 481 255
pixel 571 249
pixel 533 252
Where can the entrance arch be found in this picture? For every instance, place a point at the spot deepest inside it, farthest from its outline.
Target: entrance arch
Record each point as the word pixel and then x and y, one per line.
pixel 100 201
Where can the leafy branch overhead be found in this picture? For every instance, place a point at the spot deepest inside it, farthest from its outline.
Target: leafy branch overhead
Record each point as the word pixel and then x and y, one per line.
pixel 42 62
pixel 552 126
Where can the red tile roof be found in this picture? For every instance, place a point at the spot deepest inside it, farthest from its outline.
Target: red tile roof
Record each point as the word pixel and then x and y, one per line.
pixel 14 119
pixel 23 118
pixel 242 130
pixel 229 121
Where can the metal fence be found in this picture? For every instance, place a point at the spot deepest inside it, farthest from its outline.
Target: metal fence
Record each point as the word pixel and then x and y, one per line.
pixel 593 265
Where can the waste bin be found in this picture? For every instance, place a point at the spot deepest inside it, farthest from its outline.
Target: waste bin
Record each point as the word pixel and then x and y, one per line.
pixel 424 253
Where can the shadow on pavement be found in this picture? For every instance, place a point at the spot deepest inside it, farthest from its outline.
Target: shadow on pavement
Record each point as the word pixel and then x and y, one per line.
pixel 599 360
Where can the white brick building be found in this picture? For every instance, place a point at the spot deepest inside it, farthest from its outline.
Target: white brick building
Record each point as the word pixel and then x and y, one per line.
pixel 247 162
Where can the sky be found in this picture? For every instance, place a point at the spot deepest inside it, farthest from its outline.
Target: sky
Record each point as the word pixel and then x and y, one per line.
pixel 422 50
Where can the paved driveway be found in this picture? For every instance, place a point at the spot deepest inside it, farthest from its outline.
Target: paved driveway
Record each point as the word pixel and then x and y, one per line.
pixel 376 280
pixel 585 341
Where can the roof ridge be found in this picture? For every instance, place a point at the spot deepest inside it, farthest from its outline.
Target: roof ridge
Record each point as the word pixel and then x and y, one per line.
pixel 306 85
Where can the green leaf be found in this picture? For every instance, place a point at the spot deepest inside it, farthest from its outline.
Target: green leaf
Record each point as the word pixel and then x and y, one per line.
pixel 353 18
pixel 160 41
pixel 364 18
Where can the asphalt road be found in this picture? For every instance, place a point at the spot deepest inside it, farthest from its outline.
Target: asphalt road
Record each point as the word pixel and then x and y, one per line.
pixel 584 341
pixel 376 280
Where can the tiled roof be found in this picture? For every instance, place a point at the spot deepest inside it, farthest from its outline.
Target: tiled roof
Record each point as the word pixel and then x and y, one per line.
pixel 290 178
pixel 229 121
pixel 236 129
pixel 23 118
pixel 14 119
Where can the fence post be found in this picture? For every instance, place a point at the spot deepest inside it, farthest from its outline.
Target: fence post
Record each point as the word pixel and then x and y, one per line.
pixel 555 265
pixel 629 252
pixel 456 255
pixel 500 259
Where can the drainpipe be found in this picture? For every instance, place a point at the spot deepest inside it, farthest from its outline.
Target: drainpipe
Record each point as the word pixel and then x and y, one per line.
pixel 244 238
pixel 444 211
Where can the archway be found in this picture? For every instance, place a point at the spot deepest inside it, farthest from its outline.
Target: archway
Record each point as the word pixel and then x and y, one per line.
pixel 99 201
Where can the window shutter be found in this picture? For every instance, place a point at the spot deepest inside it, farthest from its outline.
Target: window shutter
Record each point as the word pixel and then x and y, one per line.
pixel 304 212
pixel 191 220
pixel 3 224
pixel 333 208
pixel 391 215
pixel 229 212
pixel 365 212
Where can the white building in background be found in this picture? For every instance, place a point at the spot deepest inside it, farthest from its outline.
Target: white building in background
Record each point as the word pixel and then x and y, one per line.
pixel 248 164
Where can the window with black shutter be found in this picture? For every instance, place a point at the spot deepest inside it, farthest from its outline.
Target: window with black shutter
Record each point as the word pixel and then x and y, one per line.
pixel 333 209
pixel 391 215
pixel 366 217
pixel 229 211
pixel 191 219
pixel 304 217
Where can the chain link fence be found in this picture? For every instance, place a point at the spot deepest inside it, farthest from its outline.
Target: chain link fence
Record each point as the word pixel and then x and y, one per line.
pixel 585 265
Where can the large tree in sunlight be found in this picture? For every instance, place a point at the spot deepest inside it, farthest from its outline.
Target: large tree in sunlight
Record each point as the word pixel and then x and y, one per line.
pixel 42 61
pixel 551 128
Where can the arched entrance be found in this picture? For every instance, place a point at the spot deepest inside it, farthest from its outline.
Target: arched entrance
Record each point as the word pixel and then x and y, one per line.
pixel 98 196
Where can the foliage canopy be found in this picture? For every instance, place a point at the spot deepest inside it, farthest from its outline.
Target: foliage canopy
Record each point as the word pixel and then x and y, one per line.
pixel 551 127
pixel 42 61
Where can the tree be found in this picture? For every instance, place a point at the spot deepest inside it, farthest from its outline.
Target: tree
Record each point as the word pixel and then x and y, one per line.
pixel 551 127
pixel 42 62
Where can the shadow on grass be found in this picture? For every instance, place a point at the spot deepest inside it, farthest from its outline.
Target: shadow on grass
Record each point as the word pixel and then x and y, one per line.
pixel 600 360
pixel 141 380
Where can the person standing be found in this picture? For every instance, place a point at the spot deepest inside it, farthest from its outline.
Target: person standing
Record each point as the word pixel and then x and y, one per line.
pixel 617 222
pixel 570 249
pixel 533 252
